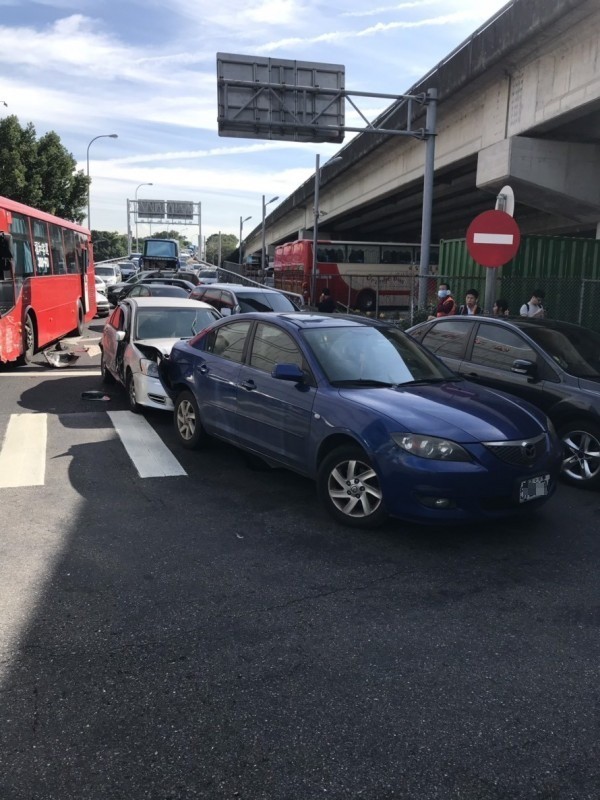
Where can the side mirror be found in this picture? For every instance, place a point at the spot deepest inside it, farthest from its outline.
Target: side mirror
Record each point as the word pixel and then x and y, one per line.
pixel 288 372
pixel 226 312
pixel 524 367
pixel 120 337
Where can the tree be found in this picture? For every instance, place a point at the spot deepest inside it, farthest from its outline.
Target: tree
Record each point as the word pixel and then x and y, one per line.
pixel 40 173
pixel 229 244
pixel 109 244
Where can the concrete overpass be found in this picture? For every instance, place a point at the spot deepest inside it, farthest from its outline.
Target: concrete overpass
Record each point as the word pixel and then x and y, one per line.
pixel 519 104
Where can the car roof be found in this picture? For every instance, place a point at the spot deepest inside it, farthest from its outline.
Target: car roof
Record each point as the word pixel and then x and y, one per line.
pixel 239 287
pixel 304 320
pixel 524 323
pixel 166 302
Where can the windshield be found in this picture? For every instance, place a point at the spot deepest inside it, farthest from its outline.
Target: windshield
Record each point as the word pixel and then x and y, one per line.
pixel 208 273
pixel 264 301
pixel 160 247
pixel 106 272
pixel 576 350
pixel 172 323
pixel 360 354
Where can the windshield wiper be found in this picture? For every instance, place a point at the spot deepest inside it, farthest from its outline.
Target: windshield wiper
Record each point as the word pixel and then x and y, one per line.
pixel 363 382
pixel 426 381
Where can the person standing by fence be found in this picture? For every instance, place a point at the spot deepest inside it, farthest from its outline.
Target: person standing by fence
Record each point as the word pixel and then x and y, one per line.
pixel 534 308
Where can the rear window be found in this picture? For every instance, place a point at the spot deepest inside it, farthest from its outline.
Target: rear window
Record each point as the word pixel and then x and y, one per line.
pixel 264 301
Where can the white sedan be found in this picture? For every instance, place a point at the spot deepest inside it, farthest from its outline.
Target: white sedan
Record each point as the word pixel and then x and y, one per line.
pixel 140 333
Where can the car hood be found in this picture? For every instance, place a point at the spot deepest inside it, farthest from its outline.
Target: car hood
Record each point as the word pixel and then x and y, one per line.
pixel 461 411
pixel 164 346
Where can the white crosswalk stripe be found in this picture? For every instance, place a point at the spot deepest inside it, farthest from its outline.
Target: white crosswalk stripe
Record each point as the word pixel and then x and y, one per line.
pixel 23 449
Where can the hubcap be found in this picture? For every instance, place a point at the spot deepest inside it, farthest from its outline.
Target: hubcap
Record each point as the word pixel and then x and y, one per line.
pixel 582 457
pixel 186 420
pixel 354 489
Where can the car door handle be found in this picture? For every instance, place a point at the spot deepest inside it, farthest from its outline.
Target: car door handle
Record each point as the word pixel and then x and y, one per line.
pixel 203 369
pixel 249 385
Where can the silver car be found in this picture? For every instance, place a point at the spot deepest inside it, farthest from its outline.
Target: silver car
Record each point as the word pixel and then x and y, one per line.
pixel 141 332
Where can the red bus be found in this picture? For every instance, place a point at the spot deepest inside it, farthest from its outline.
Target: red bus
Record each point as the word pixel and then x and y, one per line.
pixel 47 285
pixel 363 275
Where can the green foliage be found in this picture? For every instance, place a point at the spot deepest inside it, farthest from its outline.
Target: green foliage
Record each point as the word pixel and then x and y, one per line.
pixel 109 244
pixel 40 173
pixel 229 245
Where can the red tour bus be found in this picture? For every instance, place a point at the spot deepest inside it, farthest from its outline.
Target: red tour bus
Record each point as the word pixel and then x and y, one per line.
pixel 47 285
pixel 363 275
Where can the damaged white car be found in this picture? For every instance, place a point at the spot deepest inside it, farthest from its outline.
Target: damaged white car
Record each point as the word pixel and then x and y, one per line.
pixel 139 333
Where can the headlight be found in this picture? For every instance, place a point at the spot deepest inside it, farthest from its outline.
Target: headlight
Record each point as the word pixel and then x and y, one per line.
pixel 430 447
pixel 148 367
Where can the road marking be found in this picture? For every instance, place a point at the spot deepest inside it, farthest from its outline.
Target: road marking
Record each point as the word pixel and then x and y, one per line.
pixel 150 456
pixel 52 372
pixel 493 238
pixel 23 454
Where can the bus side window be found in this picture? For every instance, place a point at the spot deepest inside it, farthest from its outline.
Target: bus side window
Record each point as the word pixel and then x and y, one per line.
pixel 59 266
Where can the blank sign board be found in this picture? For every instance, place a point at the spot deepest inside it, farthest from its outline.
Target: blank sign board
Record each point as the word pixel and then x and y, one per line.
pixel 269 98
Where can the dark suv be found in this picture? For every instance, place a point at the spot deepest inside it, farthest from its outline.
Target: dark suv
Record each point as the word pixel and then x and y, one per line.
pixel 234 298
pixel 554 365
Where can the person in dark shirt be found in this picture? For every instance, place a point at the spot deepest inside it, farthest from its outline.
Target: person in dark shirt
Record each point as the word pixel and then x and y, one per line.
pixel 446 303
pixel 326 302
pixel 471 305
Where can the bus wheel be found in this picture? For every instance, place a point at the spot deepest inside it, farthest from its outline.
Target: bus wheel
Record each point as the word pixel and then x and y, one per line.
pixel 366 300
pixel 28 341
pixel 78 331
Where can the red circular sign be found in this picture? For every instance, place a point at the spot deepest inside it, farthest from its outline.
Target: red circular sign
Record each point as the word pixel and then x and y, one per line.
pixel 493 238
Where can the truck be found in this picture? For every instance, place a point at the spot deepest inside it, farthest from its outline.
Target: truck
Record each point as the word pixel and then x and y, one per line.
pixel 160 254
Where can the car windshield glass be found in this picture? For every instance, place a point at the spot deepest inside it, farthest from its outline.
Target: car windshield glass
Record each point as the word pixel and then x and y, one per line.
pixel 264 301
pixel 359 354
pixel 208 273
pixel 161 248
pixel 576 350
pixel 106 272
pixel 172 323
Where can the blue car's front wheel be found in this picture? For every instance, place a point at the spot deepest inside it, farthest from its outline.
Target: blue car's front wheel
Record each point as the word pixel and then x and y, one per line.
pixel 186 418
pixel 350 489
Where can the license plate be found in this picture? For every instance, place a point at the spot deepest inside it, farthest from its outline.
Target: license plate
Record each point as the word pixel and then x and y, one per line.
pixel 533 488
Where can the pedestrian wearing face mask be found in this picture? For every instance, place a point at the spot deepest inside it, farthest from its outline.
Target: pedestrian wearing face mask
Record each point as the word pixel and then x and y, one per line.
pixel 446 303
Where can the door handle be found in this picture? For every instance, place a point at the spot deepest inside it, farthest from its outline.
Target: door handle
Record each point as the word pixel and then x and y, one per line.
pixel 203 369
pixel 249 385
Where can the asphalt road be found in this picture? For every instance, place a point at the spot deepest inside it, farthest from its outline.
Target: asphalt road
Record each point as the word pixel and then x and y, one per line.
pixel 215 635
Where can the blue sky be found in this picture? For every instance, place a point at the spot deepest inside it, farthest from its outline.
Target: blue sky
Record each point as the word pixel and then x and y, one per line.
pixel 147 71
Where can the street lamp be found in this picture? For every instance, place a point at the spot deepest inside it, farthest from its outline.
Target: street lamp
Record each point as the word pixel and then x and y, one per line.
pixel 241 226
pixel 264 247
pixel 102 136
pixel 137 243
pixel 316 214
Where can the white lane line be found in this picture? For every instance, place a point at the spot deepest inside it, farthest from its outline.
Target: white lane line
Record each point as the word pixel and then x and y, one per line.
pixel 493 238
pixel 57 372
pixel 23 454
pixel 150 456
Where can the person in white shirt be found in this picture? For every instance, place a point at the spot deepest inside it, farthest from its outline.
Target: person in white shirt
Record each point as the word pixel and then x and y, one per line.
pixel 534 308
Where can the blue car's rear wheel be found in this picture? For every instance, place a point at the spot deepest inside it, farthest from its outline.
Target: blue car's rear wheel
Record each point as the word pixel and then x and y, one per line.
pixel 350 489
pixel 186 418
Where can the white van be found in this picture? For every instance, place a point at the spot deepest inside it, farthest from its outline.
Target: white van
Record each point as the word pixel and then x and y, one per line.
pixel 110 273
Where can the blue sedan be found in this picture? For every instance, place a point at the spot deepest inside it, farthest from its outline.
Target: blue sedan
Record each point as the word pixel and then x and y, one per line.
pixel 381 425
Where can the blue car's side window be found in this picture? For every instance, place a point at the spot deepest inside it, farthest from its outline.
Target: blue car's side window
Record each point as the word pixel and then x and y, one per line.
pixel 228 341
pixel 273 346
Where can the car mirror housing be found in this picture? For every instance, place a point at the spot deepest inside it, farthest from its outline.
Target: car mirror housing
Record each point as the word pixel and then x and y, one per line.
pixel 120 336
pixel 288 372
pixel 524 367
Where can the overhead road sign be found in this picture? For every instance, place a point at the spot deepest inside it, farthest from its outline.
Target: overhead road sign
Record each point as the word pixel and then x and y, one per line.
pixel 493 238
pixel 269 98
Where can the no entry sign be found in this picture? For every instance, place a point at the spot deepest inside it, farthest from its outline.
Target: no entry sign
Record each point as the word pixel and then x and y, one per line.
pixel 493 238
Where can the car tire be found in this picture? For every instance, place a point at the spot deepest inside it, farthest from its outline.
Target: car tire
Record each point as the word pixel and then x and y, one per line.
pixel 581 463
pixel 107 376
pixel 186 419
pixel 130 389
pixel 350 489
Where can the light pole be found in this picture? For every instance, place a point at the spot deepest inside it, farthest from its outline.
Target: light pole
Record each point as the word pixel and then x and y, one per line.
pixel 102 136
pixel 263 254
pixel 316 214
pixel 137 243
pixel 241 227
